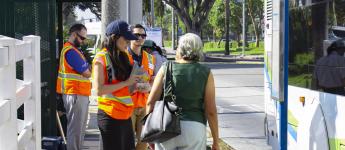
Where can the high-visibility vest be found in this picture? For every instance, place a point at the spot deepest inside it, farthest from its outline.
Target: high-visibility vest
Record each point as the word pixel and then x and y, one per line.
pixel 69 81
pixel 147 62
pixel 118 104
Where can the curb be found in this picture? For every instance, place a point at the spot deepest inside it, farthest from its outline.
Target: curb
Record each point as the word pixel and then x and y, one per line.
pixel 222 144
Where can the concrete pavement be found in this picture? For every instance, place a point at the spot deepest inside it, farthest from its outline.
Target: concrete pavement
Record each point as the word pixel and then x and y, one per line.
pixel 240 105
pixel 92 135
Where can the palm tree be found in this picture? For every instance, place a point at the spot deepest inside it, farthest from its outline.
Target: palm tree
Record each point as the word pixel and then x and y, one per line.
pixel 110 12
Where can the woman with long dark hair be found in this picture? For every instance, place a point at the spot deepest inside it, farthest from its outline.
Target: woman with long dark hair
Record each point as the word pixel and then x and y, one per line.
pixel 111 77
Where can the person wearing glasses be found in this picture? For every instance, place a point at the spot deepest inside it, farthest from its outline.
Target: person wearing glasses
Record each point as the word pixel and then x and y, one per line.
pixel 143 64
pixel 74 85
pixel 152 48
pixel 111 77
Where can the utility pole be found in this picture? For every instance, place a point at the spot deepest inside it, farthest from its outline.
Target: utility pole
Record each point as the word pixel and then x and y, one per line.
pixel 128 12
pixel 110 12
pixel 243 26
pixel 152 14
pixel 227 28
pixel 172 28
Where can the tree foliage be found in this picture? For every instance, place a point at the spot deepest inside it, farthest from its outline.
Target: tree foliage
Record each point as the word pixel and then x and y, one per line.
pixel 159 11
pixel 193 13
pixel 254 9
pixel 217 18
pixel 68 8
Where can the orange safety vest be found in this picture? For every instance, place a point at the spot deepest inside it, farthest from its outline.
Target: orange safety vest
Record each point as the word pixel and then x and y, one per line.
pixel 70 81
pixel 147 62
pixel 118 104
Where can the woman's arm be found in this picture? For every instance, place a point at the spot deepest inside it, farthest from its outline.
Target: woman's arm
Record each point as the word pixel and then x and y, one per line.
pixel 98 82
pixel 156 90
pixel 211 110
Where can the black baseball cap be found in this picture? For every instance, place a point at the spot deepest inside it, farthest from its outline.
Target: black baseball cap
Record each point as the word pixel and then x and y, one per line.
pixel 119 27
pixel 149 43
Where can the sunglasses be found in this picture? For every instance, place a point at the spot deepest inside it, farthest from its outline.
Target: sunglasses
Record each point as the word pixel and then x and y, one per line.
pixel 143 36
pixel 81 37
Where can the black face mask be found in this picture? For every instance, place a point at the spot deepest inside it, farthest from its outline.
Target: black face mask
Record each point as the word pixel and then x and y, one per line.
pixel 76 43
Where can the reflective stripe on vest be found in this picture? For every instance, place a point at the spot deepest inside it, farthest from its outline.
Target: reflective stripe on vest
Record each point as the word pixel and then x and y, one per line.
pixel 150 59
pixel 69 81
pixel 126 100
pixel 115 96
pixel 139 99
pixel 145 56
pixel 71 76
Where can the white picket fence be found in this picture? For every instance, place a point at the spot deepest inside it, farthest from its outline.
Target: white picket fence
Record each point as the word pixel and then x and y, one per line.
pixel 18 134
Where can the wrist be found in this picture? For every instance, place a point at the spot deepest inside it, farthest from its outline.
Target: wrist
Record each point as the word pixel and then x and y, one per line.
pixel 215 140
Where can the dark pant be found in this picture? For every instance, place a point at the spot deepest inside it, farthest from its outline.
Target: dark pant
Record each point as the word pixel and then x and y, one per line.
pixel 116 134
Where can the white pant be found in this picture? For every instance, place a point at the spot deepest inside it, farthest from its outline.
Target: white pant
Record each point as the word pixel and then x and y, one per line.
pixel 192 137
pixel 77 107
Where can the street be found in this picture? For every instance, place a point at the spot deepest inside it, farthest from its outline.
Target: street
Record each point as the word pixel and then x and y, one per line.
pixel 240 104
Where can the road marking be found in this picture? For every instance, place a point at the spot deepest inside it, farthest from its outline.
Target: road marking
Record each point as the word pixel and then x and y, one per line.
pixel 240 109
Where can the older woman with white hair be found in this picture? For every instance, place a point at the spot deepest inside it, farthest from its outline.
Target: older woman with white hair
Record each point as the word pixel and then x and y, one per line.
pixel 195 93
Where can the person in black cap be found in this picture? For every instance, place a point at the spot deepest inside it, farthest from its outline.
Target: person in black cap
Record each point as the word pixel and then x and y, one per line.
pixel 330 70
pixel 111 77
pixel 152 48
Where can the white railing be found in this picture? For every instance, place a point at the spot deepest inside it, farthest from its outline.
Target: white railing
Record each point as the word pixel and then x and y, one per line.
pixel 18 134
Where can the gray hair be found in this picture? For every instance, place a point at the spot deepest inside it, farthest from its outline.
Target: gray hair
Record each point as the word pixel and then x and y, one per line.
pixel 190 46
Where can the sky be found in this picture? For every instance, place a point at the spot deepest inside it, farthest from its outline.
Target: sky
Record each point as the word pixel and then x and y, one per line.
pixel 84 14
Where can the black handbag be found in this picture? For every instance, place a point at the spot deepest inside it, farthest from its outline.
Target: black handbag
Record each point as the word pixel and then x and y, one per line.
pixel 163 123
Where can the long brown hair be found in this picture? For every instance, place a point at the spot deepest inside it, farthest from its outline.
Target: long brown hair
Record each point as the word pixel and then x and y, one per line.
pixel 118 58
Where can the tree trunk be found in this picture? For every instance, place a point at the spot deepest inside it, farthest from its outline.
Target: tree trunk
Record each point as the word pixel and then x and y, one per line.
pixel 110 12
pixel 220 40
pixel 192 13
pixel 213 36
pixel 227 28
pixel 319 29
pixel 250 12
pixel 238 38
pixel 256 32
pixel 192 28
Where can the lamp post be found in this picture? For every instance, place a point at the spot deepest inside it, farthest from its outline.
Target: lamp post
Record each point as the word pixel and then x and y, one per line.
pixel 172 28
pixel 152 14
pixel 243 26
pixel 227 28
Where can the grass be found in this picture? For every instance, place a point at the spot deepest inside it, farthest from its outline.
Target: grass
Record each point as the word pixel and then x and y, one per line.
pixel 212 47
pixel 303 80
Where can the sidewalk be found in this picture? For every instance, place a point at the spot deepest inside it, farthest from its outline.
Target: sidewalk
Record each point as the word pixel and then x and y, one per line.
pixel 92 135
pixel 227 140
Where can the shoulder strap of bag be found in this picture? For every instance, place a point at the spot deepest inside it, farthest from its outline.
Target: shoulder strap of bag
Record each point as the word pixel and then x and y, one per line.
pixel 169 88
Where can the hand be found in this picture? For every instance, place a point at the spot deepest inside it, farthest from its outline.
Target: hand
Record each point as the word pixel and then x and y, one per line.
pixel 149 107
pixel 132 79
pixel 144 87
pixel 215 146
